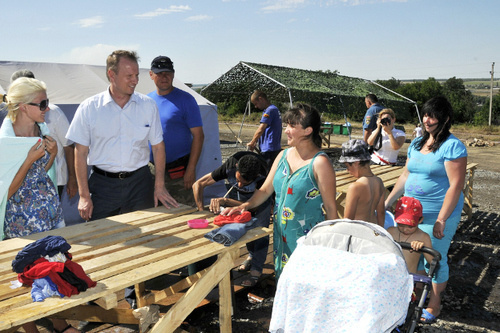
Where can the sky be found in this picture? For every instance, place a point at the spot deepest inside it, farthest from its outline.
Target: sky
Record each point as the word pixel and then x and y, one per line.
pixel 370 39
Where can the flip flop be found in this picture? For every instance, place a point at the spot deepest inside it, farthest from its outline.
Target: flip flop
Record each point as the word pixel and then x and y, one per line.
pixel 427 317
pixel 244 266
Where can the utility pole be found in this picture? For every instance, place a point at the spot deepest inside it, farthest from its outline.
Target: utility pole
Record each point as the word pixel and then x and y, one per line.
pixel 491 91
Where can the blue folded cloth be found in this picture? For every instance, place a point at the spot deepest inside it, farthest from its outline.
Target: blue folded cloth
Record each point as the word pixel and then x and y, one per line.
pixel 228 234
pixel 47 246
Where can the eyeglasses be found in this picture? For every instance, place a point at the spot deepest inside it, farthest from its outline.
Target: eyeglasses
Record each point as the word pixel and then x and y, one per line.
pixel 43 104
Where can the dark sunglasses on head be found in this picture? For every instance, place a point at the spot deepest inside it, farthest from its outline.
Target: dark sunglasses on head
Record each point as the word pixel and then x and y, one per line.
pixel 43 104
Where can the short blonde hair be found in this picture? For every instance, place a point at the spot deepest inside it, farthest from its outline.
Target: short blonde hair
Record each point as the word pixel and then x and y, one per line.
pixel 22 90
pixel 387 111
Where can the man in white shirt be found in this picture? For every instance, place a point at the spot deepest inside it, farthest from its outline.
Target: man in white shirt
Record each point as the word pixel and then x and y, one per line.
pixel 112 132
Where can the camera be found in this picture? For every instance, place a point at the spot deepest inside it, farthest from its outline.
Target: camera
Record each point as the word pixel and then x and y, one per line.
pixel 385 121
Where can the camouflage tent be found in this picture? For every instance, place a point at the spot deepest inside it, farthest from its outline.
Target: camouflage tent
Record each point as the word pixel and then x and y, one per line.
pixel 328 91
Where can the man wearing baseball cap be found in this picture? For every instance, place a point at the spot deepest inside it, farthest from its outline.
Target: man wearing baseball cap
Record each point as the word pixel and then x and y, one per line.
pixel 408 215
pixel 182 130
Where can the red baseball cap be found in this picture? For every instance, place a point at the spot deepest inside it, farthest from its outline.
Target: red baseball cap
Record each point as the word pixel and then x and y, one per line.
pixel 408 211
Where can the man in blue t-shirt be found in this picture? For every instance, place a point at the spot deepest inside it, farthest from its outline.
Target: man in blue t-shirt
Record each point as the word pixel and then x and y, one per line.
pixel 269 132
pixel 370 120
pixel 182 130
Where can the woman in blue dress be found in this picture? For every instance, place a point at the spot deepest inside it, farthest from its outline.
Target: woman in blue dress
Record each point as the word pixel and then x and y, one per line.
pixel 435 175
pixel 303 179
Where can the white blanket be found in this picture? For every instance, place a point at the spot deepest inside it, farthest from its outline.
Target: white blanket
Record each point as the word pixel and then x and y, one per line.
pixel 328 290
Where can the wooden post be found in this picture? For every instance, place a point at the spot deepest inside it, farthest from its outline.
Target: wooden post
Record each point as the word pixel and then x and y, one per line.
pixel 225 304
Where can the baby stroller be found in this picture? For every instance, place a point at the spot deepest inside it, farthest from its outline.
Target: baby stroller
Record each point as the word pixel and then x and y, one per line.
pixel 344 276
pixel 416 306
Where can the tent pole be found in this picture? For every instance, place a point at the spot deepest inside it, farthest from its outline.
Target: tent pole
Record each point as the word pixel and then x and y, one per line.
pixel 243 120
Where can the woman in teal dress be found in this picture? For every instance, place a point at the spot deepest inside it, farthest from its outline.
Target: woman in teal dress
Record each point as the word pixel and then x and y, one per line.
pixel 303 179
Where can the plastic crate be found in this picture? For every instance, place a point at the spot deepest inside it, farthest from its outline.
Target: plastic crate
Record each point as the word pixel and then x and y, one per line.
pixel 346 130
pixel 326 128
pixel 337 129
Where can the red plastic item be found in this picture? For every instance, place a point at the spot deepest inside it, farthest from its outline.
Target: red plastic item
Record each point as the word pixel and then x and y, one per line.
pixel 198 223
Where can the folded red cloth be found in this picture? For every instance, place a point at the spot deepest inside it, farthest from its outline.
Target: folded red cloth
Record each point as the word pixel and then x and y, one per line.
pixel 221 220
pixel 42 268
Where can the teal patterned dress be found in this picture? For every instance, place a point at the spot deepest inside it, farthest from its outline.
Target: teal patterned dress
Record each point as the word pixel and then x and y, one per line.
pixel 298 208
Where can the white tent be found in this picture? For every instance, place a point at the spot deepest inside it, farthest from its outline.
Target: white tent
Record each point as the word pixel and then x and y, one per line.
pixel 69 84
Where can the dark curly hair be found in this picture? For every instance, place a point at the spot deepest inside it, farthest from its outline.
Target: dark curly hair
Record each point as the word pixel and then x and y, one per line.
pixel 249 167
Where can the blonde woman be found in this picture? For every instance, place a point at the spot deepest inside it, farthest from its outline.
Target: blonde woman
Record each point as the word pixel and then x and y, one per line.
pixel 385 139
pixel 30 203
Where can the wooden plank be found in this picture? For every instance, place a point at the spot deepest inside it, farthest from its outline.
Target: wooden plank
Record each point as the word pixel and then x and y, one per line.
pixel 157 296
pixel 97 314
pixel 107 302
pixel 180 310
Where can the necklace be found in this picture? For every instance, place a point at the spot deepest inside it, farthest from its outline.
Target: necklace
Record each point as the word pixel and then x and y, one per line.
pixel 399 237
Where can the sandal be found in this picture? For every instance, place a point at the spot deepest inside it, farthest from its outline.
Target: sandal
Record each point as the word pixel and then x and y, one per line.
pixel 244 266
pixel 427 317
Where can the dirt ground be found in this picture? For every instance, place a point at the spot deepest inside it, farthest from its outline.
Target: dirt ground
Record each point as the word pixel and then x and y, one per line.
pixel 471 302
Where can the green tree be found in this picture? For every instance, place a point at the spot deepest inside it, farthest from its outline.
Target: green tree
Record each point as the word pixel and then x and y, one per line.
pixel 482 117
pixel 392 83
pixel 461 100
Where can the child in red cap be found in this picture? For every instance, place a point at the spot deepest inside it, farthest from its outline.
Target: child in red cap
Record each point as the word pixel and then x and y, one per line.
pixel 408 215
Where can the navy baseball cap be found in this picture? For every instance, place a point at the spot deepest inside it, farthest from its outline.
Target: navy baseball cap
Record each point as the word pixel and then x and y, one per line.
pixel 162 64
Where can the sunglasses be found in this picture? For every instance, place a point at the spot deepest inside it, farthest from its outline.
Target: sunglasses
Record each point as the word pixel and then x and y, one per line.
pixel 43 104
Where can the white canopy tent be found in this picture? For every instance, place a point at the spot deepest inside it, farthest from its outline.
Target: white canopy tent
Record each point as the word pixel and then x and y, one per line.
pixel 69 84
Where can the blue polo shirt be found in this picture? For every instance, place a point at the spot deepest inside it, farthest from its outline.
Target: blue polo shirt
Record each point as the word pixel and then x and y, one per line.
pixel 370 120
pixel 271 139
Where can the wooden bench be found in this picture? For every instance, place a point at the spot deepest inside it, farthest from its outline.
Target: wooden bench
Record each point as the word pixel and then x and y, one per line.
pixel 127 250
pixel 390 175
pixel 325 133
pixel 468 189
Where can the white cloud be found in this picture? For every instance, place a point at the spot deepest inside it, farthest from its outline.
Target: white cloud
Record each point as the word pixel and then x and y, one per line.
pixel 93 55
pixel 283 5
pixel 95 21
pixel 163 11
pixel 291 5
pixel 199 18
pixel 356 2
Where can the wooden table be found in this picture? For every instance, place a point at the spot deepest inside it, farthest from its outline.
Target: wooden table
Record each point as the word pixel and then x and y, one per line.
pixel 389 175
pixel 127 250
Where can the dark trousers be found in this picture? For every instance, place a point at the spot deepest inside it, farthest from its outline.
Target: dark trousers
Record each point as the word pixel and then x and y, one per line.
pixel 112 196
pixel 270 156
